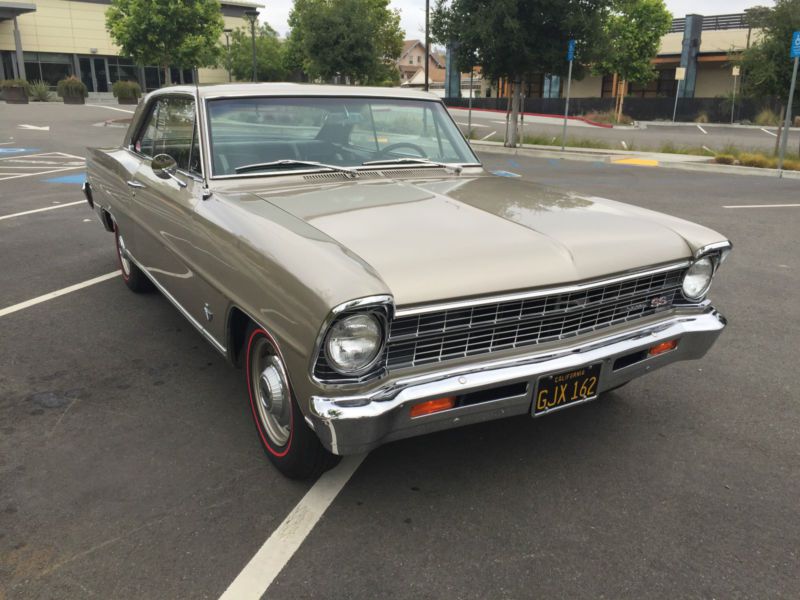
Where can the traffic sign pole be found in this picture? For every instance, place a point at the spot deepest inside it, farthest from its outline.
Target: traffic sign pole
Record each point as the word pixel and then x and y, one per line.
pixel 788 122
pixel 571 59
pixel 795 54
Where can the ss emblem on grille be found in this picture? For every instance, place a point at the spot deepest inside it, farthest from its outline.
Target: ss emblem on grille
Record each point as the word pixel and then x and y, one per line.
pixel 659 301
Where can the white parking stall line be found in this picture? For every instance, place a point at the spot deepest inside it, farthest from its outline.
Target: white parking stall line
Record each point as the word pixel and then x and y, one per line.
pixel 270 559
pixel 34 165
pixel 38 210
pixel 769 132
pixel 58 293
pixel 467 124
pixel 763 206
pixel 488 136
pixel 61 170
pixel 111 108
pixel 703 130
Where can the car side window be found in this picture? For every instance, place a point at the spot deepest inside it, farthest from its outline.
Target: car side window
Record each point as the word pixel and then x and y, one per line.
pixel 171 129
pixel 145 144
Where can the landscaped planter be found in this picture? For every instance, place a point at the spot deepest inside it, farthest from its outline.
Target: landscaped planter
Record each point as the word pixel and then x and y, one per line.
pixel 72 90
pixel 126 92
pixel 15 95
pixel 74 100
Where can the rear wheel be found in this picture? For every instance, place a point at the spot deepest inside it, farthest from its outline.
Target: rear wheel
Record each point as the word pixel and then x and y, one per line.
pixel 132 275
pixel 286 438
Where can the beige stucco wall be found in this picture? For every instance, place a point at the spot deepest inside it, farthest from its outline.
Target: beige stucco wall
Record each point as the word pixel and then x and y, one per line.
pixel 589 87
pixel 711 41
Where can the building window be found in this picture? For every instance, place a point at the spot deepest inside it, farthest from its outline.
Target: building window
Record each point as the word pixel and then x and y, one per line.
pixel 48 67
pixel 661 86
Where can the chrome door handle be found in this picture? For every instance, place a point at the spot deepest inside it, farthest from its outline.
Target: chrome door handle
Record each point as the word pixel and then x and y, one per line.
pixel 135 184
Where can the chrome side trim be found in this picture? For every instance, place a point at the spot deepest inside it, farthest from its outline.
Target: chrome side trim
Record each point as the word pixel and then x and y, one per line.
pixel 217 346
pixel 429 308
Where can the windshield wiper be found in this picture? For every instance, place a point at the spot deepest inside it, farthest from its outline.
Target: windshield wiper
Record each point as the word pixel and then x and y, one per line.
pixel 289 162
pixel 414 160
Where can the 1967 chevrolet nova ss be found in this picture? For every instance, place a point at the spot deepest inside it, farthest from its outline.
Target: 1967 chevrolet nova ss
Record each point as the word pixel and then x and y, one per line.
pixel 346 248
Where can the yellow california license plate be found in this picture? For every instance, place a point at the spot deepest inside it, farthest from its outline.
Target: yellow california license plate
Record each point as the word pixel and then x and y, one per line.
pixel 565 389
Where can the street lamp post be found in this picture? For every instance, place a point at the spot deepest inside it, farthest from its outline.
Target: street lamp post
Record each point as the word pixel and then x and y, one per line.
pixel 427 42
pixel 227 33
pixel 252 16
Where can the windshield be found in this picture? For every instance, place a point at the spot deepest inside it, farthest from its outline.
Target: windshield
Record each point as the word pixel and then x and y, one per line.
pixel 345 132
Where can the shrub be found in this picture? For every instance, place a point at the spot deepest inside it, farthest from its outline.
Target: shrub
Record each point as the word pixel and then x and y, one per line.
pixel 39 91
pixel 791 165
pixel 607 116
pixel 72 87
pixel 13 83
pixel 126 89
pixel 702 117
pixel 757 160
pixel 767 117
pixel 725 159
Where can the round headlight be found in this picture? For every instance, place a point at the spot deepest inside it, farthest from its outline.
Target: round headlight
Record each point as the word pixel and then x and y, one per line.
pixel 698 279
pixel 353 343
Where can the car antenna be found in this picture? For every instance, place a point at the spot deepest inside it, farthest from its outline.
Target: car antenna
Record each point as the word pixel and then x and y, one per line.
pixel 206 193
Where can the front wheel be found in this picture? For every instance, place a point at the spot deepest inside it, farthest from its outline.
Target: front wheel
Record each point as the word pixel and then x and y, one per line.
pixel 288 442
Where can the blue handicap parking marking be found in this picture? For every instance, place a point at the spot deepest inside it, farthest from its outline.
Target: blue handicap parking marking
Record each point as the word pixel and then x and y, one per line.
pixel 505 174
pixel 513 163
pixel 17 150
pixel 74 179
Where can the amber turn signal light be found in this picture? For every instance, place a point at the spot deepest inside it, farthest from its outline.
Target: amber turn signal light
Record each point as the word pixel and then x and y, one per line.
pixel 432 406
pixel 663 347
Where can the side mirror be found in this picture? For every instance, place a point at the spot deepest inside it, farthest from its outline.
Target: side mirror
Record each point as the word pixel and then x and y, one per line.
pixel 164 166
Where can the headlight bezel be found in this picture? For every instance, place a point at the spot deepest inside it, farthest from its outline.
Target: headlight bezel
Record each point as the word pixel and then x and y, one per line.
pixel 716 254
pixel 377 321
pixel 322 372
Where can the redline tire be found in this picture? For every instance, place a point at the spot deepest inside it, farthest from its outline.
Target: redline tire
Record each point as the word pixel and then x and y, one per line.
pixel 300 455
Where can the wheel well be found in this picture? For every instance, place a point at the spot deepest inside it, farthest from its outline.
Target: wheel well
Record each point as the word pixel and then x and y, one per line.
pixel 107 220
pixel 237 328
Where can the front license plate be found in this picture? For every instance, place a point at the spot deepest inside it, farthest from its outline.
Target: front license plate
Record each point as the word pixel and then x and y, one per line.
pixel 561 390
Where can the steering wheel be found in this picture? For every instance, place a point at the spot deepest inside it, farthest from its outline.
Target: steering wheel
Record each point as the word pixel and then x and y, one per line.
pixel 391 147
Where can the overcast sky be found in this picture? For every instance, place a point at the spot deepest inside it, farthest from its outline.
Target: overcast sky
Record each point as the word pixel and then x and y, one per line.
pixel 412 12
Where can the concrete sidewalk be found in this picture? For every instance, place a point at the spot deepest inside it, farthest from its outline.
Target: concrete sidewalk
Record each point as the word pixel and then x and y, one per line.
pixel 684 162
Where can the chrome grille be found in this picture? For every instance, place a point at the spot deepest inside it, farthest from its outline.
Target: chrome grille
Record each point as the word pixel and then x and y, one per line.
pixel 459 332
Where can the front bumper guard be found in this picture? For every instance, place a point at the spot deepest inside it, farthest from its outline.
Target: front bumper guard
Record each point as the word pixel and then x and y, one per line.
pixel 358 423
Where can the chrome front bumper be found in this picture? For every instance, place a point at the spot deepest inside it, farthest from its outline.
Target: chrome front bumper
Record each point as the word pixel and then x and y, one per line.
pixel 353 424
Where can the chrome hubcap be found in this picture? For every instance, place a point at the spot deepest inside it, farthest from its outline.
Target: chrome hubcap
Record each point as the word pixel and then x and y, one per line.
pixel 123 255
pixel 269 384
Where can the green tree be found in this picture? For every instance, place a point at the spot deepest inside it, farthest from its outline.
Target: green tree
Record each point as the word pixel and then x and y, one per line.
pixel 358 40
pixel 631 37
pixel 270 61
pixel 182 33
pixel 514 38
pixel 767 68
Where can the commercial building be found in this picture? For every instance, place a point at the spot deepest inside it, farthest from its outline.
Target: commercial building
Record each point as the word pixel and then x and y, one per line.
pixel 703 45
pixel 50 39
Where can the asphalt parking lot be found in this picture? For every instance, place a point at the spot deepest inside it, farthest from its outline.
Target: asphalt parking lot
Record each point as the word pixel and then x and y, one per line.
pixel 129 467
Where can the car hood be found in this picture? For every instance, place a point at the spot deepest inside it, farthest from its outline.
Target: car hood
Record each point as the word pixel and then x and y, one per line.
pixel 459 237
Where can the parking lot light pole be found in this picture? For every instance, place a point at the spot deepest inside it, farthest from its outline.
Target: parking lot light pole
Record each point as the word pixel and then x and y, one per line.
pixel 227 33
pixel 252 16
pixel 427 43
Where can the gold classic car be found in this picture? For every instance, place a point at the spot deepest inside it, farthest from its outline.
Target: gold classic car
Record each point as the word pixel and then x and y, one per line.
pixel 346 248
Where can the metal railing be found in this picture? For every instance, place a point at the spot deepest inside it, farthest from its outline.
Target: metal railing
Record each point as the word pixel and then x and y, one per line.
pixel 714 23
